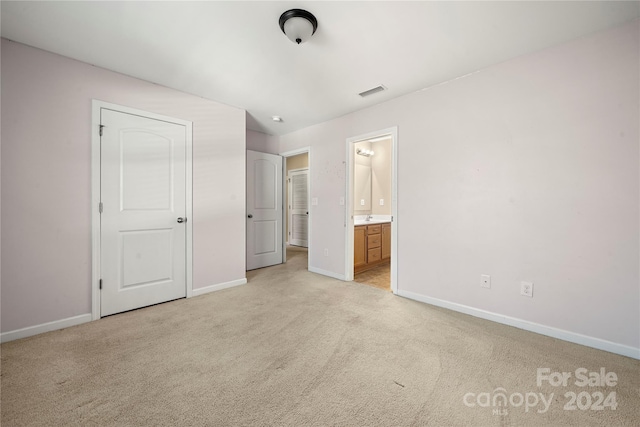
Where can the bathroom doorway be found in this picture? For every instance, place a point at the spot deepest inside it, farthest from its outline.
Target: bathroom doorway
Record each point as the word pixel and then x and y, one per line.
pixel 371 209
pixel 297 214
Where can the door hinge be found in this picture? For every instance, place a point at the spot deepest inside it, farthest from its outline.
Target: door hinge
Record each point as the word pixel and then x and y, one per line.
pixel 100 207
pixel 391 218
pixel 100 129
pixel 100 283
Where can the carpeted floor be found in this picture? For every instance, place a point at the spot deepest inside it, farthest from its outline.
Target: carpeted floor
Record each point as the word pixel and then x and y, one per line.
pixel 292 348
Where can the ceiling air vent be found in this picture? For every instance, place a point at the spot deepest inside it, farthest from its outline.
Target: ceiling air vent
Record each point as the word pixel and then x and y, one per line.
pixel 372 91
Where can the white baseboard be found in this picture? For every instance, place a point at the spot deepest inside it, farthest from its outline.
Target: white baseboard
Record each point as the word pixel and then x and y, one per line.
pixel 561 334
pixel 218 287
pixel 327 273
pixel 84 318
pixel 45 327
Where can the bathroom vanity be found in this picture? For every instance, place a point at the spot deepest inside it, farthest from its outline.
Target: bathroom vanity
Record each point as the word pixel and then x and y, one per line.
pixel 372 245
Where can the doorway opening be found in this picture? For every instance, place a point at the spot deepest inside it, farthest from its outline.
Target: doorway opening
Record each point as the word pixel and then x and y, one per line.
pixel 297 214
pixel 371 209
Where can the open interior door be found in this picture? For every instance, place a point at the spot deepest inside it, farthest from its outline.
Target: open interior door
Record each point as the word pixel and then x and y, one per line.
pixel 264 210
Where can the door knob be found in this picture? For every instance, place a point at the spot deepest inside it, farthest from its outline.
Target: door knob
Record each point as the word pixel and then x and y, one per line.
pixel 249 216
pixel 181 220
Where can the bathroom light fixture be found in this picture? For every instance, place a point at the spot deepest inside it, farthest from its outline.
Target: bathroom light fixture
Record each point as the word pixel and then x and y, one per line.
pixel 299 25
pixel 365 152
pixel 276 119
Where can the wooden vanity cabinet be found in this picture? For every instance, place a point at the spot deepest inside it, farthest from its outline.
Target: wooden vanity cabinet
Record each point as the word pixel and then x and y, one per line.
pixel 386 241
pixel 359 246
pixel 369 246
pixel 374 244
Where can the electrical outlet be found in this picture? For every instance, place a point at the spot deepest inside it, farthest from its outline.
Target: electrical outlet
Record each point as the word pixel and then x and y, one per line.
pixel 341 201
pixel 326 252
pixel 381 202
pixel 361 202
pixel 485 281
pixel 526 289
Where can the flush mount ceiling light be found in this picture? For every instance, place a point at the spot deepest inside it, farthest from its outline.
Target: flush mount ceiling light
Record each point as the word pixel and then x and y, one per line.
pixel 299 25
pixel 365 152
pixel 276 118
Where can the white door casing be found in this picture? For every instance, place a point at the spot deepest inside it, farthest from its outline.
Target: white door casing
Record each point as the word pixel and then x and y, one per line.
pixel 145 186
pixel 349 191
pixel 264 210
pixel 298 207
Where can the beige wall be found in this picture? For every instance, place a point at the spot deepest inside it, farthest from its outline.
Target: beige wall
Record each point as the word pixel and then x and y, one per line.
pixel 362 180
pixel 526 170
pixel 381 177
pixel 261 142
pixel 46 181
pixel 300 161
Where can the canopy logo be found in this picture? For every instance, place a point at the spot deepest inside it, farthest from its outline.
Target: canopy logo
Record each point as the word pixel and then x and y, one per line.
pixel 499 401
pixel 593 400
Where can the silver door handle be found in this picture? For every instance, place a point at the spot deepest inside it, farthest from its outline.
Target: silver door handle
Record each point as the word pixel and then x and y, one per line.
pixel 181 220
pixel 249 216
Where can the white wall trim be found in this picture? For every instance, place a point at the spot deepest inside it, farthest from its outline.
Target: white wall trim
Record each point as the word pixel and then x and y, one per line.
pixel 297 151
pixel 96 106
pixel 212 288
pixel 189 207
pixel 45 327
pixel 95 215
pixel 327 273
pixel 549 331
pixel 296 170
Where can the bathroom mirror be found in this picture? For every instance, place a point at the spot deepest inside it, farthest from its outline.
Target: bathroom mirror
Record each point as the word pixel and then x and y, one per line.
pixel 362 188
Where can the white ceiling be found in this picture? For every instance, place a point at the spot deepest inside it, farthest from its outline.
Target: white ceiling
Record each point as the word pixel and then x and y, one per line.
pixel 234 52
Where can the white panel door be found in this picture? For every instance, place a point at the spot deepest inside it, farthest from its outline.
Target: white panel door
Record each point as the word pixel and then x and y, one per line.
pixel 299 208
pixel 142 225
pixel 264 210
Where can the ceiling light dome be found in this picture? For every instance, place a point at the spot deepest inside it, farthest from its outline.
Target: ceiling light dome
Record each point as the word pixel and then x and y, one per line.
pixel 298 25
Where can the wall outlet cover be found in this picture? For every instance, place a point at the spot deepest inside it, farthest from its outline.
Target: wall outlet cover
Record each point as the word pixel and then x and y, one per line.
pixel 381 202
pixel 526 289
pixel 485 281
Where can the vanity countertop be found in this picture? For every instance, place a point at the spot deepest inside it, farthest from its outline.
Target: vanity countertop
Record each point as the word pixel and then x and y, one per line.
pixel 358 222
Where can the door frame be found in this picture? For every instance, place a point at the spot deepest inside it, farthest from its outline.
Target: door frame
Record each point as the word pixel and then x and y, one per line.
pixel 96 107
pixel 291 153
pixel 349 239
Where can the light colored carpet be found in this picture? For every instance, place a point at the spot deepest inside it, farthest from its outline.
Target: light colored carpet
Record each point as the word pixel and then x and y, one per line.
pixel 293 348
